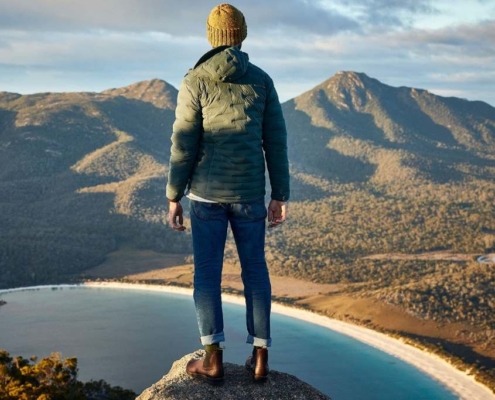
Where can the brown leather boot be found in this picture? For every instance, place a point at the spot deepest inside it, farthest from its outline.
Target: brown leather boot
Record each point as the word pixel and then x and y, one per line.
pixel 258 364
pixel 209 368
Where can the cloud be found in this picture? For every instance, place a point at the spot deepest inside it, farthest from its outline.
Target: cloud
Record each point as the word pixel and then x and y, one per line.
pixel 417 6
pixel 456 59
pixel 188 19
pixel 74 16
pixel 387 14
pixel 465 77
pixel 86 49
pixel 480 34
pixel 304 16
pixel 169 16
pixel 93 61
pixel 95 45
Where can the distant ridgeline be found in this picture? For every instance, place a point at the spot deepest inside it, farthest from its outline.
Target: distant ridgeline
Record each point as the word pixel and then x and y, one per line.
pixel 375 170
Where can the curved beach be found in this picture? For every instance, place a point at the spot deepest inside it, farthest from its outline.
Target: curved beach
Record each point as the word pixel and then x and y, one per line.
pixel 457 381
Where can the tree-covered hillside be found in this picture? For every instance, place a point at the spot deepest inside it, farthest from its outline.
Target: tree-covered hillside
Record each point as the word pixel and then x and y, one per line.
pixel 81 174
pixel 377 171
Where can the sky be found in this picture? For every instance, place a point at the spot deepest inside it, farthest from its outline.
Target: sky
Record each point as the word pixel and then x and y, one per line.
pixel 444 46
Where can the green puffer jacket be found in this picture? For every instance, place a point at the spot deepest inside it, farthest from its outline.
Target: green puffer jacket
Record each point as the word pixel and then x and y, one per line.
pixel 228 120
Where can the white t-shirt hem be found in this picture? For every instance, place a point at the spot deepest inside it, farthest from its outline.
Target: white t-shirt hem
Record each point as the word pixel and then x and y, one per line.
pixel 192 196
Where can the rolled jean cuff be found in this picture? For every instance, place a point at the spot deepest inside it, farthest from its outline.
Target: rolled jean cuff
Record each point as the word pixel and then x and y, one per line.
pixel 215 338
pixel 258 342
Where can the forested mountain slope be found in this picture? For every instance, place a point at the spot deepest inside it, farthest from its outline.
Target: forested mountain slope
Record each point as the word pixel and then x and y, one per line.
pixel 80 174
pixel 381 176
pixel 376 171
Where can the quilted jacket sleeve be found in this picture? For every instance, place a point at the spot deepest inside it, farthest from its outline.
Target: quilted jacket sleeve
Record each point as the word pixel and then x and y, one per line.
pixel 185 139
pixel 275 145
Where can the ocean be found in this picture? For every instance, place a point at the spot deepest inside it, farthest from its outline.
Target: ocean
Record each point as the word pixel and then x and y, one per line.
pixel 130 338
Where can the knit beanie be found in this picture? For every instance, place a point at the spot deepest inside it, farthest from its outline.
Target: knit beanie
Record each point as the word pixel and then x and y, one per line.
pixel 225 26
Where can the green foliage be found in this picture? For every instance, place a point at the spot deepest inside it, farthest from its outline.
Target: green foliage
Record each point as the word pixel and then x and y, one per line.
pixel 51 378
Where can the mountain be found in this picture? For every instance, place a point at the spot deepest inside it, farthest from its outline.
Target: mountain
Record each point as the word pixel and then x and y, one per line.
pixel 352 128
pixel 81 174
pixel 388 170
pixel 392 200
pixel 392 192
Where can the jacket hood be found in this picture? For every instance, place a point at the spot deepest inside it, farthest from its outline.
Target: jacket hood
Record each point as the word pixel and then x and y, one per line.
pixel 226 64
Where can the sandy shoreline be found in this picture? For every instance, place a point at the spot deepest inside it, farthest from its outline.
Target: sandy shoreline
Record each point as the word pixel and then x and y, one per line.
pixel 458 382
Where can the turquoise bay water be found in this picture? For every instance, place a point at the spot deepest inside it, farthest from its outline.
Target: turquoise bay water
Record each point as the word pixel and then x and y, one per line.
pixel 130 338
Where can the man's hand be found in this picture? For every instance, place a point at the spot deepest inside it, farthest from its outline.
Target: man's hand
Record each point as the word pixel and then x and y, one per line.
pixel 277 213
pixel 175 212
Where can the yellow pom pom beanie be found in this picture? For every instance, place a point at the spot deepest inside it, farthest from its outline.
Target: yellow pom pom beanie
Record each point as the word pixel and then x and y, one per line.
pixel 226 26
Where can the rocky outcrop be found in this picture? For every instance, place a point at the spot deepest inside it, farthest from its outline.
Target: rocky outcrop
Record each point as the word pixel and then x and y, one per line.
pixel 239 385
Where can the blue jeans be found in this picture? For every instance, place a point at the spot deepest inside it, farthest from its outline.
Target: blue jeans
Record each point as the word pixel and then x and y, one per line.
pixel 209 223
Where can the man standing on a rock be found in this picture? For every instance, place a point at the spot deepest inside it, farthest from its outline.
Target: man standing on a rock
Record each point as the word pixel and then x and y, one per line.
pixel 228 124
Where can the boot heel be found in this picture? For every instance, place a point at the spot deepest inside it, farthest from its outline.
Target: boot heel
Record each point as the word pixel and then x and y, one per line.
pixel 215 381
pixel 257 365
pixel 209 368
